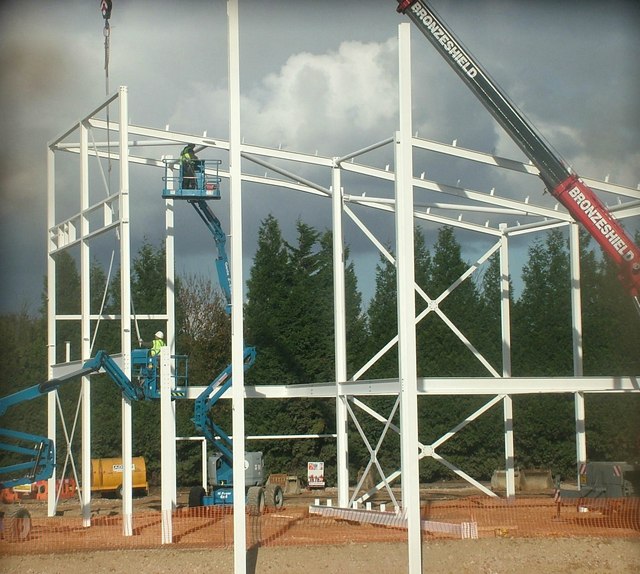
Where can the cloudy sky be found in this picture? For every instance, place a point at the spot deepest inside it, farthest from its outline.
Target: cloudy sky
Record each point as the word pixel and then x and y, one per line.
pixel 315 77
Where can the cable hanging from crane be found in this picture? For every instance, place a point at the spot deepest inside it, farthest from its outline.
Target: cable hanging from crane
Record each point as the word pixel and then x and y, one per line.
pixel 105 8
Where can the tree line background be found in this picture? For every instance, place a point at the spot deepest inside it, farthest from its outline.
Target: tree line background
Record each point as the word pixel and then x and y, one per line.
pixel 289 319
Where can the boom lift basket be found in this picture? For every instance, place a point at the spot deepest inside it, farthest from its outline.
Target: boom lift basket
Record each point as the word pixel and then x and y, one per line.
pixel 204 184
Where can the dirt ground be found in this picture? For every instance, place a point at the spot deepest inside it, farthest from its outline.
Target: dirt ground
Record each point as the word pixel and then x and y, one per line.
pixel 562 555
pixel 488 556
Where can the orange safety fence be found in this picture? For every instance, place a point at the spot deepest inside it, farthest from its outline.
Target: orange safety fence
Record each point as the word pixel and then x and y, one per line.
pixel 212 527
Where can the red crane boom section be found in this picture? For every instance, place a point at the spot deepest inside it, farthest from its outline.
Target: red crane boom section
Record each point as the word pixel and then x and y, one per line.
pixel 566 187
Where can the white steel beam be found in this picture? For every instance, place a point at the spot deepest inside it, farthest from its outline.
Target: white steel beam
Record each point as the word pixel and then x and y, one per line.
pixel 285 184
pixel 424 213
pixel 524 228
pixel 54 143
pixel 167 137
pixel 534 210
pixel 251 150
pixel 514 165
pixel 297 178
pixel 476 156
pixel 162 137
pixel 364 150
pixel 439 386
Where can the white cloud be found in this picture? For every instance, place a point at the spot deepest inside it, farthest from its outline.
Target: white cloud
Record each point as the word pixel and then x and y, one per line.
pixel 327 100
pixel 320 77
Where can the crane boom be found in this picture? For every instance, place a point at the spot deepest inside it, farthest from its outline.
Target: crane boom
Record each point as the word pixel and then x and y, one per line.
pixel 567 187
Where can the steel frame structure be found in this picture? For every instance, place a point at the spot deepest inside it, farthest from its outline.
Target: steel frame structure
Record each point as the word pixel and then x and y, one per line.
pixel 111 215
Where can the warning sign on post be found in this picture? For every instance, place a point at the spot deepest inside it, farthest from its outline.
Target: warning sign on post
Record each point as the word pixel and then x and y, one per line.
pixel 315 474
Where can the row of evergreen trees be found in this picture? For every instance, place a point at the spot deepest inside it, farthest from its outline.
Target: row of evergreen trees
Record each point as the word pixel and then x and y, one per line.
pixel 289 318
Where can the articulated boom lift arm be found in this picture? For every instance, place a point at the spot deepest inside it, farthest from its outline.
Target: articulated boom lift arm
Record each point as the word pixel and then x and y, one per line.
pixel 566 187
pixel 103 361
pixel 207 400
pixel 222 261
pixel 37 453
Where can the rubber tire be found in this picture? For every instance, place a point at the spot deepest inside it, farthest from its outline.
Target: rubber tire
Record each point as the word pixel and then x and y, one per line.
pixel 255 500
pixel 196 496
pixel 17 526
pixel 274 497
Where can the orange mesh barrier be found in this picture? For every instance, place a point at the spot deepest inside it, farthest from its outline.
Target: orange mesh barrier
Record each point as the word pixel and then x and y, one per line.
pixel 212 527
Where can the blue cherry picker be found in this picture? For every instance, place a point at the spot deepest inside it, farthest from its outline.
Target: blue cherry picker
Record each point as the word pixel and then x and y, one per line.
pixel 197 182
pixel 32 457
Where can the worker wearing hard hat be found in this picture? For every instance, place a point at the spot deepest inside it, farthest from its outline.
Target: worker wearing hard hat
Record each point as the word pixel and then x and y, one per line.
pixel 188 161
pixel 156 344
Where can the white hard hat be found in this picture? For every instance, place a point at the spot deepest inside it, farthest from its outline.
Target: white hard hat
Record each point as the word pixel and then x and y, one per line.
pixel 160 335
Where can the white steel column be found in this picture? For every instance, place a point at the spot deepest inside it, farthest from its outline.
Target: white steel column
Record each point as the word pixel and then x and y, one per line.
pixel 170 241
pixel 407 307
pixel 576 297
pixel 85 329
pixel 578 371
pixel 169 496
pixel 125 310
pixel 237 324
pixel 507 404
pixel 167 446
pixel 340 341
pixel 51 315
pixel 171 275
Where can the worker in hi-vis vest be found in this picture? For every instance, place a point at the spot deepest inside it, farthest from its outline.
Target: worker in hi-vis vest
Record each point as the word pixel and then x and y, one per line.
pixel 156 345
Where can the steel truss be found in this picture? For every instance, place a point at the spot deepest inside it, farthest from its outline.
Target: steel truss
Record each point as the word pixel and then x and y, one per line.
pixel 459 207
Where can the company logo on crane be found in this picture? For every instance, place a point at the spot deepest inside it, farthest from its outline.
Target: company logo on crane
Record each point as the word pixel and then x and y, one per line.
pixel 601 223
pixel 449 45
